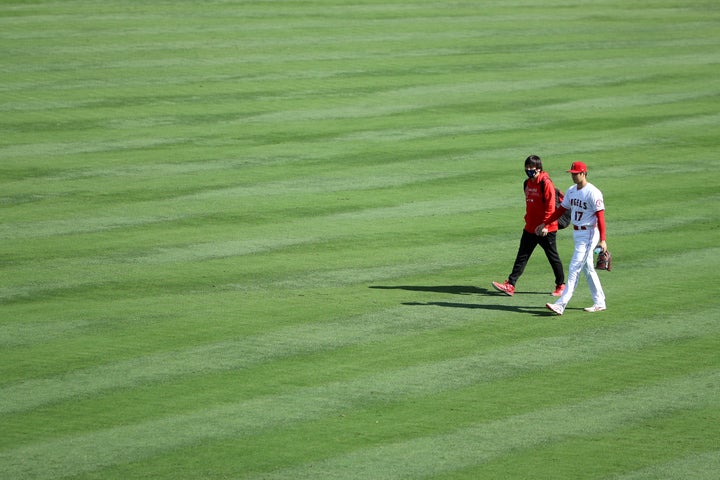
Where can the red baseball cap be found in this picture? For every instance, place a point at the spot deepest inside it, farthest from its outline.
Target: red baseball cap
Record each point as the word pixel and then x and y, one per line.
pixel 578 167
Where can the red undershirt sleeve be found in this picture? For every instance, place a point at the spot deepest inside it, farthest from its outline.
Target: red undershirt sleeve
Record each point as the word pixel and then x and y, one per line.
pixel 601 223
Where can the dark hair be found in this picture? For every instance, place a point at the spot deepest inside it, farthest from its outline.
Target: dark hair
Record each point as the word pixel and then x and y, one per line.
pixel 533 161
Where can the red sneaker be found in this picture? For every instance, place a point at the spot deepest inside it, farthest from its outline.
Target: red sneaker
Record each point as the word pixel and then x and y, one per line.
pixel 505 288
pixel 558 290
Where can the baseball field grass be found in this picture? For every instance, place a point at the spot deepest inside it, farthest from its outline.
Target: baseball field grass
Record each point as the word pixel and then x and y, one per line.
pixel 256 239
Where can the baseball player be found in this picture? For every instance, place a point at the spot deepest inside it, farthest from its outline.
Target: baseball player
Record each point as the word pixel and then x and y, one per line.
pixel 585 201
pixel 539 206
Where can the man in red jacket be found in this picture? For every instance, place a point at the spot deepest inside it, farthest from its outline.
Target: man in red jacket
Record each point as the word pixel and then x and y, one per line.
pixel 539 206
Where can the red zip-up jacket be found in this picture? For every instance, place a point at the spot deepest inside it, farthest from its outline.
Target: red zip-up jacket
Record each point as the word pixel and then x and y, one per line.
pixel 537 208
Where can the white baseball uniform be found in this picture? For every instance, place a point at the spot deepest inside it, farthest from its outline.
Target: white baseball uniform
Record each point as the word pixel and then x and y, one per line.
pixel 584 205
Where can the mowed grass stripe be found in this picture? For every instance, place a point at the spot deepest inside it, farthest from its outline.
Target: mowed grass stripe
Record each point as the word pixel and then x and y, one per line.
pixel 426 457
pixel 698 466
pixel 501 125
pixel 330 101
pixel 481 89
pixel 486 365
pixel 626 445
pixel 416 457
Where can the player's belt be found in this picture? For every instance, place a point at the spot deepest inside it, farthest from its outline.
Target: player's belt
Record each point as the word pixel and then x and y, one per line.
pixel 575 227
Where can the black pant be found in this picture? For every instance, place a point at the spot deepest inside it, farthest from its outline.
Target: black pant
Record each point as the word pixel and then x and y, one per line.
pixel 528 242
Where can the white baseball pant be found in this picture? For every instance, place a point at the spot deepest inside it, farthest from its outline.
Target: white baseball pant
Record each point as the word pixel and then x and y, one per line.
pixel 582 261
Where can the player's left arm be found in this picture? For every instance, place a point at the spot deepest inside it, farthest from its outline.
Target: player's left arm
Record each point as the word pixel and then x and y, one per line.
pixel 601 226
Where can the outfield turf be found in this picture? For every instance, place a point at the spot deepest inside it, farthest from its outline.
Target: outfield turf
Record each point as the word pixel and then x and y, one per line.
pixel 255 239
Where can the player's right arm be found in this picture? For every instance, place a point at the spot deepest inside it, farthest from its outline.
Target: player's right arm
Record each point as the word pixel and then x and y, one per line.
pixel 540 229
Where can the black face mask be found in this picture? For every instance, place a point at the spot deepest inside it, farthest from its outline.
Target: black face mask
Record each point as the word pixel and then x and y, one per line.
pixel 531 173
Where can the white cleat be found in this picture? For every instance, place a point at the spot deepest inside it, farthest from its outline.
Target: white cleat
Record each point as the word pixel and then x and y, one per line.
pixel 557 309
pixel 594 308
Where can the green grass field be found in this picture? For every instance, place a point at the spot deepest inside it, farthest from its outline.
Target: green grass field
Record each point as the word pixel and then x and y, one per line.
pixel 255 239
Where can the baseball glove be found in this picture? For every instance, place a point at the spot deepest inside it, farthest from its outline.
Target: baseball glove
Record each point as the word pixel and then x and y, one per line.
pixel 604 261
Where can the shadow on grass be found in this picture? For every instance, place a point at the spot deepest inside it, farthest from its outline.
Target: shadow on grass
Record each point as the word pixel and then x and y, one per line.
pixel 454 289
pixel 534 310
pixel 538 310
